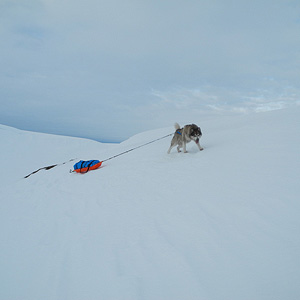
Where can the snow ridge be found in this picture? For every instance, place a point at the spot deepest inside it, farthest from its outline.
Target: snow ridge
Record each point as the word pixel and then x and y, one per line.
pixel 222 223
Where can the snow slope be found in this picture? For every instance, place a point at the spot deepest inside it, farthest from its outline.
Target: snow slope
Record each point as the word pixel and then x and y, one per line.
pixel 218 224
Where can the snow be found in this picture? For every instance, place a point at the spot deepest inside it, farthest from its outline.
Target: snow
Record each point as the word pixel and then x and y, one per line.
pixel 222 223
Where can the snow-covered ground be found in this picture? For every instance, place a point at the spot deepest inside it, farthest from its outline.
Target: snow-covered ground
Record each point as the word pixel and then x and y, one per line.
pixel 219 224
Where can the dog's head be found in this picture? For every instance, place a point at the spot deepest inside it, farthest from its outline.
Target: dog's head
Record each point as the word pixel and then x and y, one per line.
pixel 195 131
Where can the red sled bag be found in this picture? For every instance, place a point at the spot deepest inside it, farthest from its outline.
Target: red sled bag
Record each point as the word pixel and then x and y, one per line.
pixel 85 166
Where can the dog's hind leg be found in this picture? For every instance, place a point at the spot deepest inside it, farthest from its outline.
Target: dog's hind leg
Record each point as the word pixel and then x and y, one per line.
pixel 171 146
pixel 184 147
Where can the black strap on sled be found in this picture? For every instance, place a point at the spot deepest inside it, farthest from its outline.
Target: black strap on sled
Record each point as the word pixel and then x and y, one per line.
pixel 88 166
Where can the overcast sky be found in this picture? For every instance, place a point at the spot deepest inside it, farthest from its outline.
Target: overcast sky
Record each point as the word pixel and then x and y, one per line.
pixel 109 69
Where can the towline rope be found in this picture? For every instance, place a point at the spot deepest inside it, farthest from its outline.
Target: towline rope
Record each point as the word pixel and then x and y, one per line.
pixel 136 147
pixel 52 166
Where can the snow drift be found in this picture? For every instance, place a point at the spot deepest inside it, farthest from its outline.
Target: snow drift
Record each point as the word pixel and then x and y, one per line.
pixel 218 224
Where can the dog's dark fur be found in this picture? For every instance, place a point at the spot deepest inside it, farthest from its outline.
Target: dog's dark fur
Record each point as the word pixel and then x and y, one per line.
pixel 184 135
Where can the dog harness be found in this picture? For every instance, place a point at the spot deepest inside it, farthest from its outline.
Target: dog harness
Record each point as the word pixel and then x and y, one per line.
pixel 178 131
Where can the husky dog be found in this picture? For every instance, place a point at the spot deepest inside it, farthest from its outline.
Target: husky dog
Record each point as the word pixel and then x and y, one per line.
pixel 184 135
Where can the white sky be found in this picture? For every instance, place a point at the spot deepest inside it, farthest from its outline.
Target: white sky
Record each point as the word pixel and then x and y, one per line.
pixel 109 69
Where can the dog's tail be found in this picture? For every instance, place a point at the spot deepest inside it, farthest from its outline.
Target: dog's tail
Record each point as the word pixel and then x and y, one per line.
pixel 177 126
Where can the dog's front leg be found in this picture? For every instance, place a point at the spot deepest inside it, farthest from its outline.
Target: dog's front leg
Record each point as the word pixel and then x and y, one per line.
pixel 198 144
